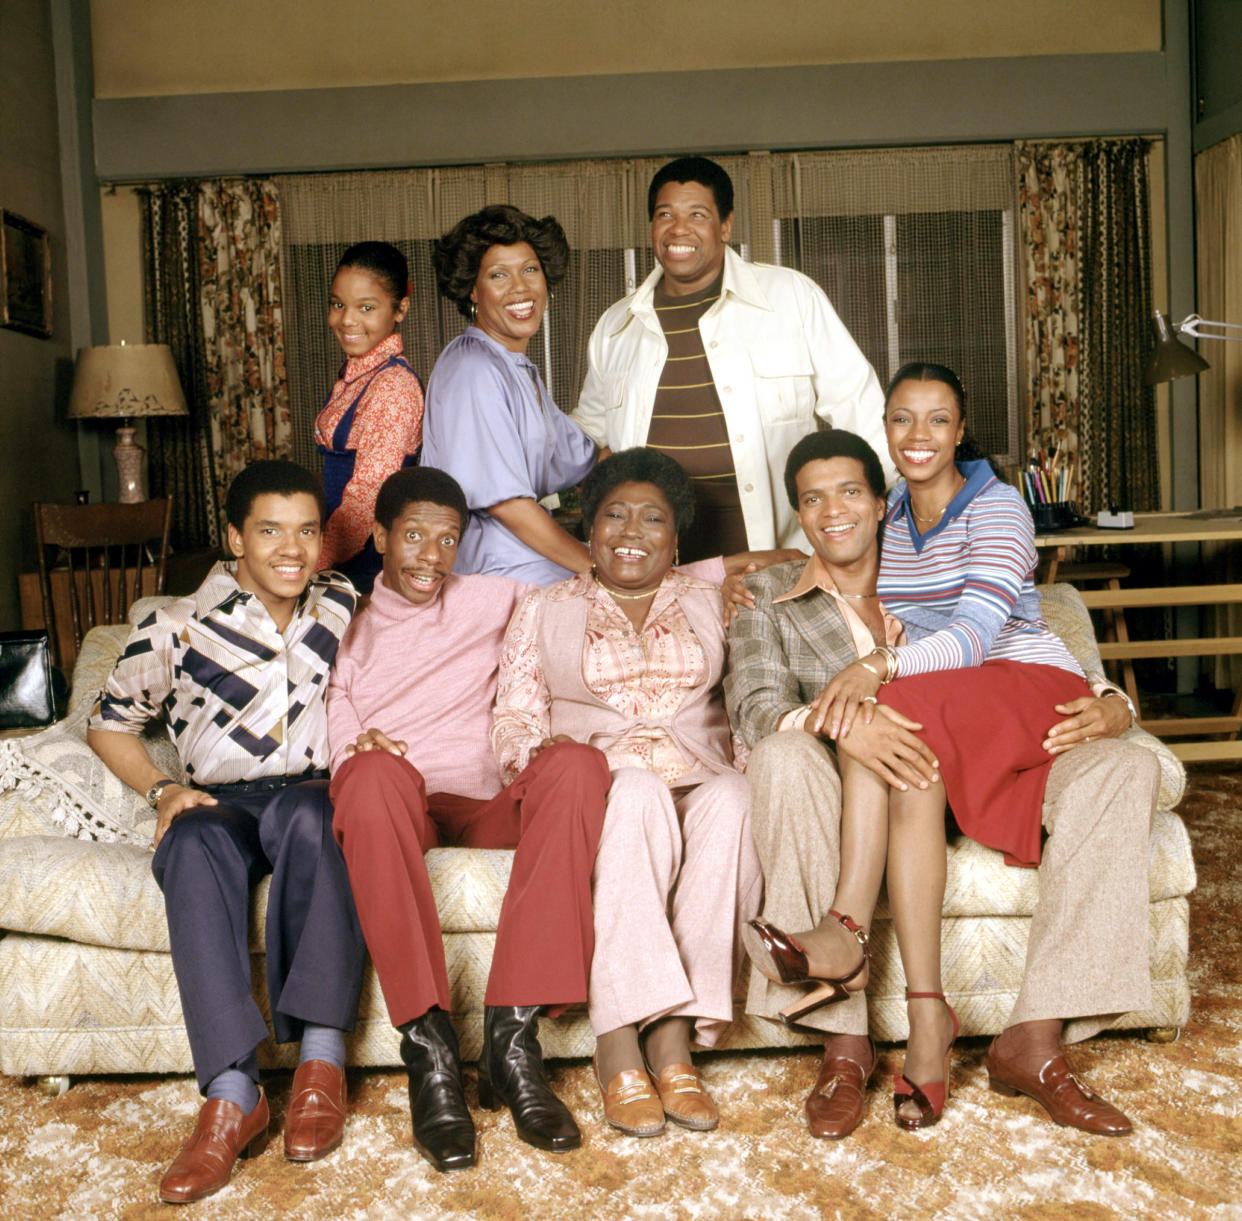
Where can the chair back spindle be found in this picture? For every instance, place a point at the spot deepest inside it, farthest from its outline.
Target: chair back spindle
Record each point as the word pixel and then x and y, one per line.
pixel 103 550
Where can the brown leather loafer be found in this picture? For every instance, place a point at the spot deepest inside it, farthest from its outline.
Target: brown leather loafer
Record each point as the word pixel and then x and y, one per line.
pixel 685 1099
pixel 834 1108
pixel 1067 1100
pixel 316 1120
pixel 222 1135
pixel 630 1103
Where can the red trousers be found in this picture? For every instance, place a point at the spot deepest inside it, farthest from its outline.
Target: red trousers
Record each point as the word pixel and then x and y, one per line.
pixel 552 813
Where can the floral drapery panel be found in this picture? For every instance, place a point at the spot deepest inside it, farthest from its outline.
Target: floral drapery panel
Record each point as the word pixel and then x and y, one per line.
pixel 211 254
pixel 1087 251
pixel 179 449
pixel 244 352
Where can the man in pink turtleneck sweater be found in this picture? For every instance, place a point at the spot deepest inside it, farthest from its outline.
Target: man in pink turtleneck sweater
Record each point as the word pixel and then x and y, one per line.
pixel 409 714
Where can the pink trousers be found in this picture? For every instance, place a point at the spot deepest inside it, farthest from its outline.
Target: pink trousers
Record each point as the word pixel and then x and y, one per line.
pixel 676 877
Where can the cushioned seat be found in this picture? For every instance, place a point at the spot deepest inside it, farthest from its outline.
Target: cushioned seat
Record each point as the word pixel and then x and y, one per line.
pixel 86 980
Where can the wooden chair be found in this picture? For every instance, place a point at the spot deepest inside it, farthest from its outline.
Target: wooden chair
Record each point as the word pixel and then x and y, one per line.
pixel 104 551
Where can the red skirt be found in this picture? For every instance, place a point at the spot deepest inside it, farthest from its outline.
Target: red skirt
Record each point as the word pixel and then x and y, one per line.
pixel 986 725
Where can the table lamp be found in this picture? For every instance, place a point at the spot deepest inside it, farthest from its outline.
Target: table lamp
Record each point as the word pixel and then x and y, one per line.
pixel 1172 358
pixel 121 382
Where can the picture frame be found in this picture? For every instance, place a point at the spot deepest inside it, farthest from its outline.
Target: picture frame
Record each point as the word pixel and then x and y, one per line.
pixel 25 276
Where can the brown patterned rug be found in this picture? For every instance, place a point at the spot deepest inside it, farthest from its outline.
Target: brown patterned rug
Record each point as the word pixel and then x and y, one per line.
pixel 99 1150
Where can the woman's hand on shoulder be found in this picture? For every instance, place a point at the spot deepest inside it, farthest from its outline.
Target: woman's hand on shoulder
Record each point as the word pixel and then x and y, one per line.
pixel 737 597
pixel 852 691
pixel 752 561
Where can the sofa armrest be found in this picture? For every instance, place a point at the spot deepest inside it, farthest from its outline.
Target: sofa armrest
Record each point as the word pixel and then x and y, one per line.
pixel 1067 615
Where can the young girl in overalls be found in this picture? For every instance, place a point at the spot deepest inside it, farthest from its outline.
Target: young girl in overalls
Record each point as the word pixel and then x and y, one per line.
pixel 372 423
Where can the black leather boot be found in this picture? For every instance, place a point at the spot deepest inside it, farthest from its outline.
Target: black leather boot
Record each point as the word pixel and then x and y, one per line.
pixel 443 1129
pixel 511 1072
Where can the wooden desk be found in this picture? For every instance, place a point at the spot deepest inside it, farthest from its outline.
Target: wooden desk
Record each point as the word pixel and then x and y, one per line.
pixel 1148 528
pixel 1165 528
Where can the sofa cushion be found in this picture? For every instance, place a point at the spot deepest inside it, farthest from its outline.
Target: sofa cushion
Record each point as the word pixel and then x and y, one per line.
pixel 105 893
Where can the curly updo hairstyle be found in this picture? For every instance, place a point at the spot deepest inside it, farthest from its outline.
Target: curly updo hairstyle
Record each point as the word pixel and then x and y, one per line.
pixel 457 255
pixel 639 465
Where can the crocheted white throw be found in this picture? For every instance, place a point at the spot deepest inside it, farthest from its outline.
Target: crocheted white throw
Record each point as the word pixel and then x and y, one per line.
pixel 63 786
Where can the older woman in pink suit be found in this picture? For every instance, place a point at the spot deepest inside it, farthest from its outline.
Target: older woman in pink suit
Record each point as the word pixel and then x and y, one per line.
pixel 629 657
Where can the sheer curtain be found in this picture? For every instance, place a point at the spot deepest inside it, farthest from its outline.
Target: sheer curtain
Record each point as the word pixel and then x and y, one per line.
pixel 916 248
pixel 1218 238
pixel 1218 220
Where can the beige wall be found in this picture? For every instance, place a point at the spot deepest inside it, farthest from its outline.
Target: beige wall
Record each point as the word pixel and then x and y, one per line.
pixel 38 448
pixel 143 48
pixel 123 264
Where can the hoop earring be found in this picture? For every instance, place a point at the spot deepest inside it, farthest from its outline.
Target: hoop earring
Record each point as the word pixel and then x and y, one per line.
pixel 474 312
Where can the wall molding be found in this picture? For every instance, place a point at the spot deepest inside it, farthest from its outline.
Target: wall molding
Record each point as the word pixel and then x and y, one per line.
pixel 830 106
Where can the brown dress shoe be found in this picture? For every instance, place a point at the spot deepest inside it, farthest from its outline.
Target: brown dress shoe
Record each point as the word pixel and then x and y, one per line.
pixel 630 1103
pixel 316 1120
pixel 834 1108
pixel 685 1099
pixel 222 1135
pixel 1069 1101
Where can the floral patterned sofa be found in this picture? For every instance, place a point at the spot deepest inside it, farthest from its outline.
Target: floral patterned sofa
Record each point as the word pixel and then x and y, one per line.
pixel 86 979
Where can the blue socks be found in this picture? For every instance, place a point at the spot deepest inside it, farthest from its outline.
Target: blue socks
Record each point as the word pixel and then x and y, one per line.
pixel 240 1084
pixel 236 1086
pixel 323 1043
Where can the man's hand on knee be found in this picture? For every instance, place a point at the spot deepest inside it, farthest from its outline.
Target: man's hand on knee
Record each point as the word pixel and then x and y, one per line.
pixel 888 745
pixel 175 799
pixel 1087 719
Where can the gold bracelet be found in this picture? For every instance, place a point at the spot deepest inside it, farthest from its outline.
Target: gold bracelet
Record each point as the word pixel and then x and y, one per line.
pixel 862 661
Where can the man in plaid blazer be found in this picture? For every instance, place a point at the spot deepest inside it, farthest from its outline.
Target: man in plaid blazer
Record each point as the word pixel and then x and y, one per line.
pixel 1087 953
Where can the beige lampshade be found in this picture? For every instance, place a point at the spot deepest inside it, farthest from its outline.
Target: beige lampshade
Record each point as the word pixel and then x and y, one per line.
pixel 125 381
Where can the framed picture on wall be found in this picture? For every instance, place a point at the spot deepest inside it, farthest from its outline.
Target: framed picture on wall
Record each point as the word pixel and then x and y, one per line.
pixel 25 276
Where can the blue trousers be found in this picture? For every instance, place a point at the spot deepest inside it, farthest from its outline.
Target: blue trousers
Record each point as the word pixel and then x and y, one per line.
pixel 206 865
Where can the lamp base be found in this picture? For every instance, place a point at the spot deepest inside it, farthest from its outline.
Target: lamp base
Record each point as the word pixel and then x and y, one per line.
pixel 129 459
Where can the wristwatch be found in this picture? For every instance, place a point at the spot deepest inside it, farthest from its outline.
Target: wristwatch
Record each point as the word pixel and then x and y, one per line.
pixel 156 790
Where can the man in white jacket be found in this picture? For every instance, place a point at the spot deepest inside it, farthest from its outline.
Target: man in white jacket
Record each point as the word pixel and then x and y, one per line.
pixel 723 365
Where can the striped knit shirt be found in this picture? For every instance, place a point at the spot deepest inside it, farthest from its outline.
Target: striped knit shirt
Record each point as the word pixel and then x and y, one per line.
pixel 965 590
pixel 688 424
pixel 242 700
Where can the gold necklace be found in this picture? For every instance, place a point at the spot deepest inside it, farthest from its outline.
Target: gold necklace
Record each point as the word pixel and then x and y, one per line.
pixel 931 521
pixel 616 593
pixel 845 595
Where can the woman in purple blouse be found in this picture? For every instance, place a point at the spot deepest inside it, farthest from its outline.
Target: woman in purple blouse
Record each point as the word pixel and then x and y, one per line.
pixel 490 421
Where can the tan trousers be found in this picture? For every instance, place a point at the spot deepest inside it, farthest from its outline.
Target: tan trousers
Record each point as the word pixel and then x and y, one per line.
pixel 1087 956
pixel 676 877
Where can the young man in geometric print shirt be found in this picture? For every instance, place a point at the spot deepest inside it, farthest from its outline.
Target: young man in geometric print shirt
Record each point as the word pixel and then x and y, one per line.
pixel 238 671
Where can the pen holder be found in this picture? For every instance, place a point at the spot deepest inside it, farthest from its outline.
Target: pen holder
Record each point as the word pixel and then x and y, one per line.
pixel 1054 515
